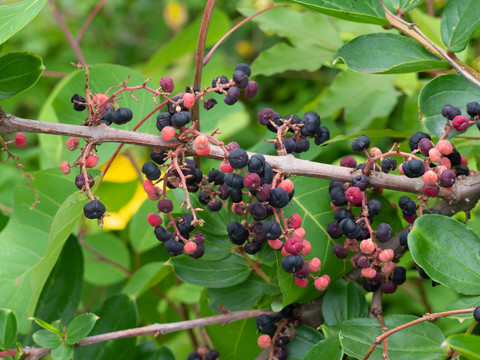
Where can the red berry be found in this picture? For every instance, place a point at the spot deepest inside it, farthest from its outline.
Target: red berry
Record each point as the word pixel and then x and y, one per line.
pixel 72 143
pixel 99 98
pixel 166 83
pixel 286 184
pixel 445 147
pixel 188 100
pixel 430 190
pixel 293 245
pixel 91 161
pixel 65 167
pixel 294 221
pixel 225 167
pixel 301 282
pixel 368 273
pixel 354 196
pixel 20 140
pixel 168 132
pixel 201 142
pixel 300 233
pixel 307 247
pixel 460 123
pixel 252 181
pixel 348 161
pixel 149 187
pixel 203 152
pixel 154 220
pixel 322 282
pixel 275 244
pixel 264 341
pixel 190 247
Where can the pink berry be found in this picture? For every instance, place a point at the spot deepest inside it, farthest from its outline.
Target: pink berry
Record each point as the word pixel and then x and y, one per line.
pixel 225 167
pixel 293 245
pixel 300 233
pixel 386 255
pixel 434 155
pixel 91 161
pixel 315 264
pixel 264 341
pixel 354 196
pixel 294 221
pixel 389 267
pixel 154 220
pixel 65 167
pixel 99 98
pixel 368 273
pixel 275 244
pixel 445 147
pixel 168 133
pixel 430 177
pixel 446 162
pixel 203 152
pixel 72 143
pixel 149 187
pixel 286 184
pixel 301 282
pixel 367 246
pixel 166 83
pixel 375 151
pixel 188 100
pixel 460 123
pixel 430 190
pixel 20 140
pixel 322 282
pixel 307 247
pixel 153 196
pixel 190 247
pixel 284 252
pixel 400 169
pixel 252 181
pixel 348 161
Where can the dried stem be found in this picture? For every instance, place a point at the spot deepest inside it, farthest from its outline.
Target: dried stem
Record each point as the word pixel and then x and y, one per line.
pixel 426 317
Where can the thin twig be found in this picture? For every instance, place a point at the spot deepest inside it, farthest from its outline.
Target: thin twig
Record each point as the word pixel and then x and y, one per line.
pixel 63 26
pixel 413 31
pixel 54 74
pixel 426 317
pixel 88 20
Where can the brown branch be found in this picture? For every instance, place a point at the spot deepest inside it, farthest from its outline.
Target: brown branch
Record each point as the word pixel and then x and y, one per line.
pixel 426 317
pixel 414 32
pixel 63 26
pixel 464 197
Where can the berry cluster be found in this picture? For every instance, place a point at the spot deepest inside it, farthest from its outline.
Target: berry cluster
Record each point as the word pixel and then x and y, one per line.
pixel 204 354
pixel 277 331
pixel 302 129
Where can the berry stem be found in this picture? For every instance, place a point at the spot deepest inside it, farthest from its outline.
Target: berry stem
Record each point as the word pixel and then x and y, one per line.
pixel 253 264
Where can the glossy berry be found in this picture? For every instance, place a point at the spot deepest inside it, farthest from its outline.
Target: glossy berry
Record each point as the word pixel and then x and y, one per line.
pixel 323 135
pixel 407 205
pixel 166 83
pixel 215 205
pixel 337 196
pixel 252 247
pixel 460 123
pixel 374 207
pixel 240 78
pixel 181 119
pixel 415 139
pixel 233 94
pixel 184 223
pixel 476 314
pixel 235 181
pixel 388 164
pixel 292 263
pixel 399 275
pixel 174 247
pixel 94 209
pixel 80 181
pixel 258 211
pixel 339 251
pixel 122 116
pixel 163 119
pixel 251 89
pixel 271 230
pixel 76 100
pixel 311 124
pixel 278 198
pixel 162 234
pixel 252 181
pixel 384 232
pixel 266 115
pixel 266 324
pixel 449 112
pixel 403 239
pixel 425 145
pixel 20 139
pixel 413 168
pixel 361 143
pixel 238 158
pixel 151 170
pixel 302 145
pixel 350 228
pixel 237 233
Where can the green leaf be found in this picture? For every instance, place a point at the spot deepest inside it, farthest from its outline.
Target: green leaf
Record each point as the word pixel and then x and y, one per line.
pixel 228 272
pixel 49 327
pixel 343 301
pixel 459 22
pixel 149 350
pixel 239 297
pixel 118 312
pixel 186 41
pixel 315 217
pixel 448 251
pixel 405 5
pixel 14 17
pixel 48 339
pixel 463 303
pixel 142 237
pixel 80 327
pixel 8 328
pixel 327 349
pixel 61 294
pixel 450 89
pixel 144 278
pixel 110 246
pixel 424 339
pixel 19 71
pixel 305 338
pixel 466 344
pixel 63 352
pixel 58 108
pixel 367 11
pixel 362 97
pixel 387 53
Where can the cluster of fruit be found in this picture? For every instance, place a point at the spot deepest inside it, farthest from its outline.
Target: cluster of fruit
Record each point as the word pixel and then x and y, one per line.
pixel 204 354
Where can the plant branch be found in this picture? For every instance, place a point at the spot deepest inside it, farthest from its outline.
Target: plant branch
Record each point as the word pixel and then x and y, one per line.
pixel 414 32
pixel 467 190
pixel 63 26
pixel 89 19
pixel 426 317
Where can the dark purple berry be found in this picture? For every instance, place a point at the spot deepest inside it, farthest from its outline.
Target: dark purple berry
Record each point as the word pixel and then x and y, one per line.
pixel 258 211
pixel 162 234
pixel 256 164
pixel 266 115
pixel 334 230
pixel 462 170
pixel 198 253
pixel 122 116
pixel 209 104
pixel 302 145
pixel 374 207
pixel 311 124
pixel 282 341
pixel 384 232
pixel 449 112
pixel 338 197
pixel 107 118
pixel 361 143
pixel 166 83
pixel 219 80
pixel 163 119
pixel 238 158
pixel 252 181
pixel 184 224
pixel 251 89
pixel 271 230
pixel 455 158
pixel 165 205
pixel 447 178
pixel 414 140
pixel 342 213
pixel 76 99
pixel 389 287
pixel 223 191
pixel 216 176
pixel 425 145
pixel 403 239
pixel 278 198
pixel 252 247
pixel 232 96
pixel 94 209
pixel 350 228
pixel 237 233
pixel 240 78
pixel 151 170
pixel 172 108
pixel 399 275
pixel 174 247
pixel 264 193
pixel 476 314
pixel 388 164
pixel 181 118
pixel 292 263
pixel 323 135
pixel 339 251
pixel 215 205
pixel 234 180
pixel 80 181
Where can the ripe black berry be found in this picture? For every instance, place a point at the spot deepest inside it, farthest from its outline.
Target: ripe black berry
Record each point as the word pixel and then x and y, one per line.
pixel 184 224
pixel 423 274
pixel 75 100
pixel 473 108
pixel 350 228
pixel 334 230
pixel 216 176
pixel 282 341
pixel 341 214
pixel 174 247
pixel 292 263
pixel 238 158
pixel 339 251
pixel 212 355
pixel 163 119
pixel 403 239
pixel 415 139
pixel 214 205
pixel 271 230
pixel 235 195
pixel 361 181
pixel 237 233
pixel 384 232
pixel 256 164
pixel 374 207
pixel 172 108
pixel 181 118
pixel 151 170
pixel 462 170
pixel 266 324
pixel 252 247
pixel 219 80
pixel 209 104
pixel 407 205
pixel 234 180
pixel 162 234
pixel 278 198
pixel 158 157
pixel 94 209
pixel 413 168
pixel 455 158
pixel 302 145
pixel 245 68
pixel 311 124
pixel 476 314
pixel 323 134
pixel 388 164
pixel 232 96
pixel 107 118
pixel 450 111
pixel 338 197
pixel 361 143
pixel 289 144
pixel 399 275
pixel 240 78
pixel 122 116
pixel 199 252
pixel 258 211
